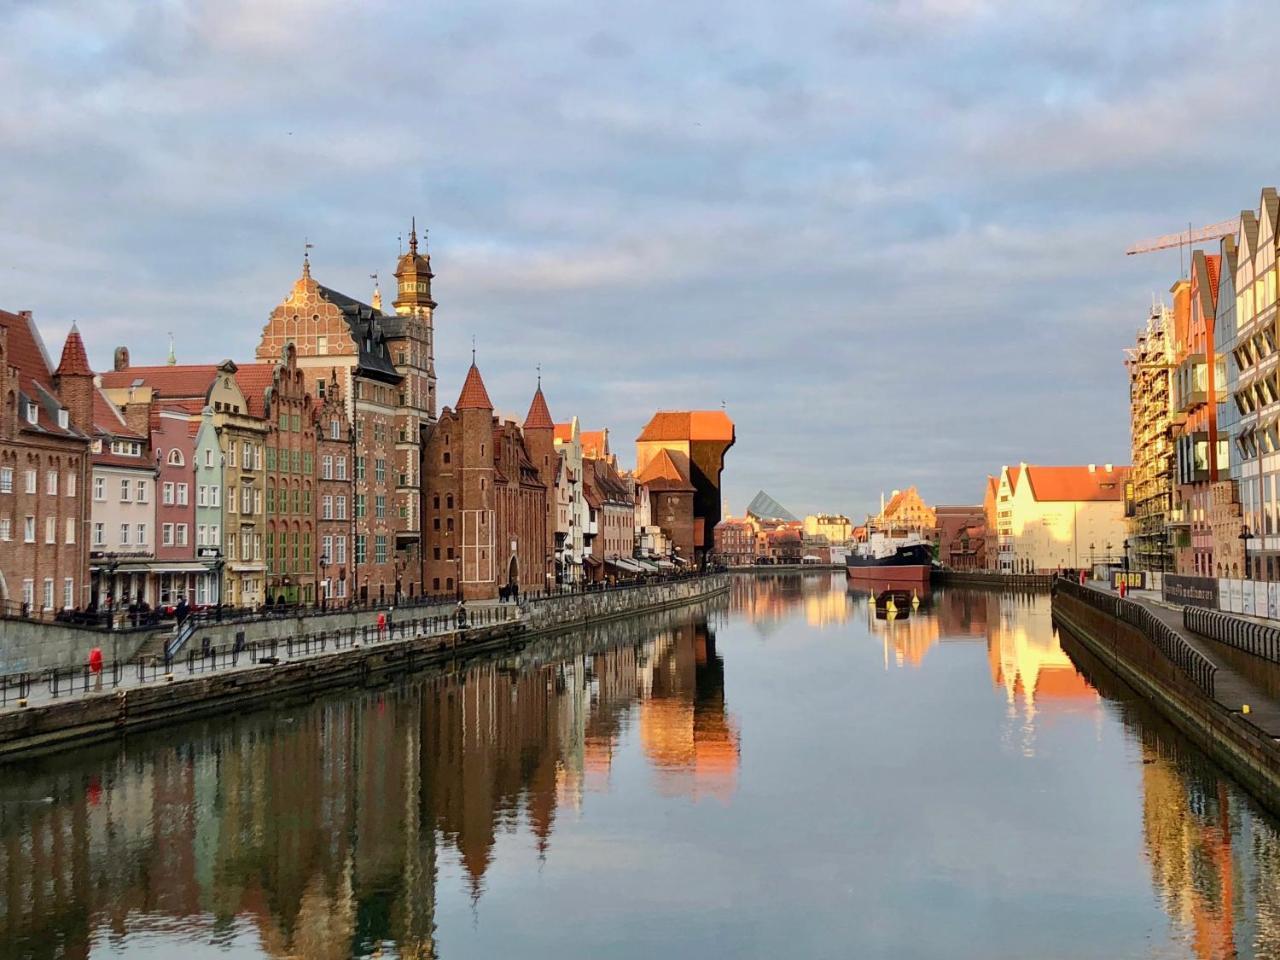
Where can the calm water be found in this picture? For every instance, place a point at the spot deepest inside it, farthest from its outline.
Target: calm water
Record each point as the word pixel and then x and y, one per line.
pixel 780 776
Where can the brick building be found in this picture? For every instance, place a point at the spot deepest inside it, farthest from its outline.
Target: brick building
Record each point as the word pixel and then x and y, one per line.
pixel 176 568
pixel 962 539
pixel 385 366
pixel 277 395
pixel 44 457
pixel 334 529
pixel 486 505
pixel 735 539
pixel 671 502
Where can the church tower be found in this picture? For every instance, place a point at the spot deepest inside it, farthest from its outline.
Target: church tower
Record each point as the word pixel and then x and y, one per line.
pixel 413 302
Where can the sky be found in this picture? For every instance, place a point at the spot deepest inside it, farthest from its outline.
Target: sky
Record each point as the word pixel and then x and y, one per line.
pixel 888 236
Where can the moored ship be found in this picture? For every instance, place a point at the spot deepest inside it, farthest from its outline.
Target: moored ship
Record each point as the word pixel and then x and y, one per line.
pixel 883 557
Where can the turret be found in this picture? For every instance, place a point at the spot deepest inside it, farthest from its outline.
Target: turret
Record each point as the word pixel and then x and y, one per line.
pixel 74 382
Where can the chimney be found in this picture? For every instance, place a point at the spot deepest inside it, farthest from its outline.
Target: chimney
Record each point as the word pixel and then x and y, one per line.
pixel 1106 467
pixel 137 414
pixel 121 359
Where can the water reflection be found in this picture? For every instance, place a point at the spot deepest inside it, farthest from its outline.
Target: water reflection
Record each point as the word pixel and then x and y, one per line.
pixel 381 822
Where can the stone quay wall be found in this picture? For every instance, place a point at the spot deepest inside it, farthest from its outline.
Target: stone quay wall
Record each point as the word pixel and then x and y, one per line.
pixel 87 717
pixel 1248 753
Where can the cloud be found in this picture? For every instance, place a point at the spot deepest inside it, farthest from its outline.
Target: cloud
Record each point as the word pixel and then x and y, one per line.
pixel 887 235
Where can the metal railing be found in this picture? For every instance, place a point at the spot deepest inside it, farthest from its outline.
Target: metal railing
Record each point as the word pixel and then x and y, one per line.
pixel 61 682
pixel 1257 639
pixel 1171 644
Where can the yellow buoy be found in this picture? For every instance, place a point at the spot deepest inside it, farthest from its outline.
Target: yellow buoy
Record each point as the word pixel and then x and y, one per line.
pixel 1245 708
pixel 890 606
pixel 915 600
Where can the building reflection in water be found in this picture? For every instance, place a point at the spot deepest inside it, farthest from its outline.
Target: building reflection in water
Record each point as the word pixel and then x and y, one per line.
pixel 320 834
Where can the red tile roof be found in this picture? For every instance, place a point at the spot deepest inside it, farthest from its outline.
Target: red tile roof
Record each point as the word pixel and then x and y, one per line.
pixel 253 380
pixel 564 432
pixel 1077 484
pixel 474 396
pixel 689 425
pixel 107 418
pixel 539 417
pixel 26 353
pixel 663 473
pixel 189 380
pixel 75 362
pixel 595 444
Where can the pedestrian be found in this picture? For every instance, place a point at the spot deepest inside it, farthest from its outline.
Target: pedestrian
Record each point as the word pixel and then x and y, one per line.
pixel 382 624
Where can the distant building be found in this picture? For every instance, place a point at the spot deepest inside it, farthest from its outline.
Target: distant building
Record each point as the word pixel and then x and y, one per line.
pixel 962 537
pixel 1052 518
pixel 906 513
pixel 764 508
pixel 735 539
pixel 990 496
pixel 1148 504
pixel 573 516
pixel 835 527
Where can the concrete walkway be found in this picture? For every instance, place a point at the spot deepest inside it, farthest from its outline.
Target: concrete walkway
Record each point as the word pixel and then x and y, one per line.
pixel 72 687
pixel 1241 677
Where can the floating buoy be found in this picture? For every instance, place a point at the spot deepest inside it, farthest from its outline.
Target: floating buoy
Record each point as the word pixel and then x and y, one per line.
pixel 915 600
pixel 890 606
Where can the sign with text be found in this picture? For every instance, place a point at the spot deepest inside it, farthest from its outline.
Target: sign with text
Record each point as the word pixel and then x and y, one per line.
pixel 1191 591
pixel 1132 579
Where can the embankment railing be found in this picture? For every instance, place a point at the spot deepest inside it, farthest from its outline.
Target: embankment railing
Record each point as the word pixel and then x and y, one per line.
pixel 1172 645
pixel 1247 635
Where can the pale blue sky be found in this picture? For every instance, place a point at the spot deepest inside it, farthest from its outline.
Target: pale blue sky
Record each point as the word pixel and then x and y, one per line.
pixel 888 235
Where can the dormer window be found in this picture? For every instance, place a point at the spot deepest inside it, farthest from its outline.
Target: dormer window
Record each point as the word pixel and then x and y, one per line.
pixel 33 414
pixel 64 419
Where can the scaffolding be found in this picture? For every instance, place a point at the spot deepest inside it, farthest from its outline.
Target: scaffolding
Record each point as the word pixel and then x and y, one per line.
pixel 1149 503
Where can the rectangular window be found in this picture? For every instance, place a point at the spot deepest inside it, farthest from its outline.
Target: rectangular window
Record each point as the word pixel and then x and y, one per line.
pixel 215 494
pixel 166 535
pixel 247 455
pixel 271 551
pixel 142 491
pixel 31 481
pixel 308 464
pixel 379 470
pixel 28 529
pixel 29 593
pixel 71 530
pixel 342 507
pixel 326 467
pixel 326 548
pixel 141 530
pixel 208 457
pixel 360 548
pixel 48 593
pixel 68 593
pixel 342 468
pixel 126 491
pixel 6 529
pixel 271 499
pixel 335 430
pixel 202 496
pixel 99 489
pixel 166 493
pixel 296 457
pixel 326 507
pixel 124 534
pixel 231 454
pixel 360 506
pixel 359 469
pixel 271 458
pixel 51 483
pixel 215 534
pixel 70 485
pixel 380 506
pixel 340 547
pixel 200 535
pixel 99 534
pixel 182 494
pixel 231 499
pixel 6 479
pixel 380 548
pixel 246 500
pixel 50 529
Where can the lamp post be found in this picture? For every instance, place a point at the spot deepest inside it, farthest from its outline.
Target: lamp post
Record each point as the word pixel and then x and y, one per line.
pixel 1127 545
pixel 1245 536
pixel 324 581
pixel 1091 554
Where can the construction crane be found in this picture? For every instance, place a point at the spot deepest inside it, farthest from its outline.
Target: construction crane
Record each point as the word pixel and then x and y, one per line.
pixel 1186 237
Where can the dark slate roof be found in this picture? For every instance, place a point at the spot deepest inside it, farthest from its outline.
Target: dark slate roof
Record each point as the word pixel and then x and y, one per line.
pixel 369 327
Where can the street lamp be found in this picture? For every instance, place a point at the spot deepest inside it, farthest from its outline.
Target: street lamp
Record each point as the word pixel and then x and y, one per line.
pixel 1245 536
pixel 1127 545
pixel 324 581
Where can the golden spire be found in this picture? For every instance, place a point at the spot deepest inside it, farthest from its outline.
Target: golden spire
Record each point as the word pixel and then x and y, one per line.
pixel 376 302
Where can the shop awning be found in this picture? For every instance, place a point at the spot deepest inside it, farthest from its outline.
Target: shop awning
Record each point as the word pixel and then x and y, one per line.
pixel 648 566
pixel 625 565
pixel 665 564
pixel 591 561
pixel 680 560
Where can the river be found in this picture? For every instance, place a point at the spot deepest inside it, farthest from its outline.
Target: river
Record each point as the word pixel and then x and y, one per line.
pixel 780 774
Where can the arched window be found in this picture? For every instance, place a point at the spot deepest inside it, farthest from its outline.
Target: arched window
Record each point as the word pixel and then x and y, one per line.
pixel 175 458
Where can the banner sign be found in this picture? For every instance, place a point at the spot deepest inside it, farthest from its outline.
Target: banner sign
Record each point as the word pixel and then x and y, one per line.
pixel 1191 591
pixel 1132 579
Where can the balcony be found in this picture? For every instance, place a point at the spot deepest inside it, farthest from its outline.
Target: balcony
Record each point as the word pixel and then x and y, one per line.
pixel 1192 380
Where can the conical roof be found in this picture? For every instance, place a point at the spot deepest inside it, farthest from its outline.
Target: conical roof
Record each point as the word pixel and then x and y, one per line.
pixel 474 396
pixel 74 362
pixel 764 507
pixel 539 417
